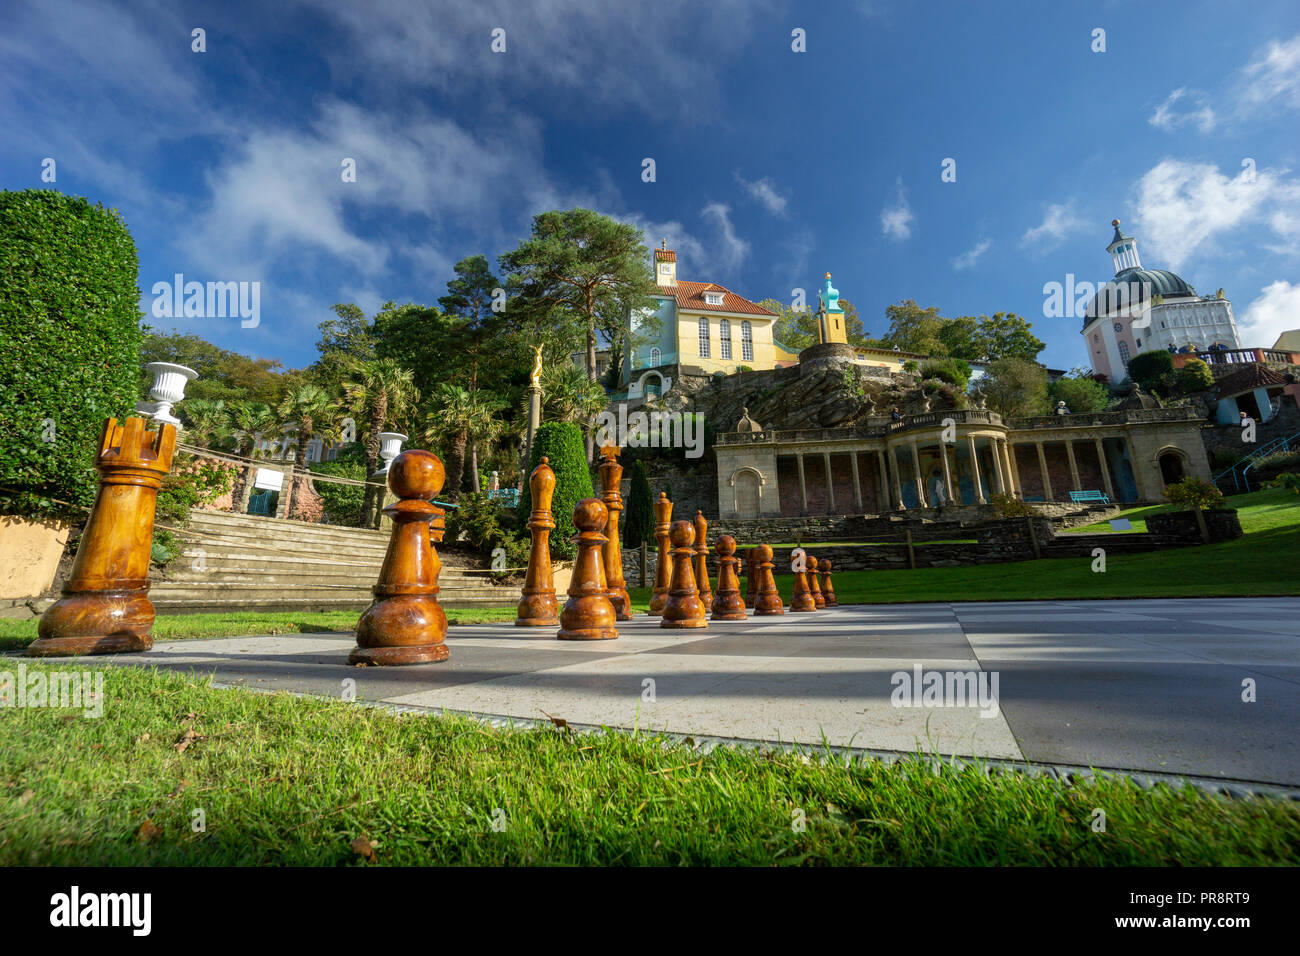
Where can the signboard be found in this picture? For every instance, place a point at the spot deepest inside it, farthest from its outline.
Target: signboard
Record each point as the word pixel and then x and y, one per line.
pixel 1121 524
pixel 268 480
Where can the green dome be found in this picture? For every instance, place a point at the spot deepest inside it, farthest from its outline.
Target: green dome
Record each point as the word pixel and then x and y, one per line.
pixel 1116 293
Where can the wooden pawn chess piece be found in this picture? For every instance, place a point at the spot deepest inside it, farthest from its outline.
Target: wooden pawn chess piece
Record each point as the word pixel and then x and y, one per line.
pixel 801 599
pixel 813 585
pixel 702 559
pixel 664 564
pixel 768 598
pixel 828 589
pixel 406 624
pixel 684 607
pixel 728 604
pixel 589 614
pixel 611 476
pixel 751 577
pixel 105 608
pixel 538 607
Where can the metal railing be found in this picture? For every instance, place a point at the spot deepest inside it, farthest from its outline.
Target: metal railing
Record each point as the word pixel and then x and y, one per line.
pixel 1239 470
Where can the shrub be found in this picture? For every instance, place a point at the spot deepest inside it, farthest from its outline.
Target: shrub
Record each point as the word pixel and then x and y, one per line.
pixel 1080 394
pixel 639 523
pixel 478 518
pixel 1288 479
pixel 1195 376
pixel 1194 493
pixel 1009 506
pixel 1151 369
pixel 954 371
pixel 69 343
pixel 910 366
pixel 342 504
pixel 562 443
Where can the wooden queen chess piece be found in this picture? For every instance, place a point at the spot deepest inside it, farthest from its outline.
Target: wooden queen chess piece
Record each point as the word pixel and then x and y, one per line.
pixel 406 624
pixel 702 559
pixel 828 590
pixel 728 604
pixel 767 597
pixel 538 607
pixel 663 565
pixel 611 476
pixel 105 608
pixel 589 614
pixel 813 585
pixel 801 599
pixel 684 608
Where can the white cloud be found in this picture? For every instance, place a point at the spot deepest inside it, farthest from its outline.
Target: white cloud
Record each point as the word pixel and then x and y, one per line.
pixel 1273 75
pixel 1200 114
pixel 1181 207
pixel 764 190
pixel 1059 221
pixel 896 217
pixel 732 250
pixel 968 258
pixel 1274 312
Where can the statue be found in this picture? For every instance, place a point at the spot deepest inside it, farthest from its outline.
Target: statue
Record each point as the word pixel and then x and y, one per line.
pixel 535 376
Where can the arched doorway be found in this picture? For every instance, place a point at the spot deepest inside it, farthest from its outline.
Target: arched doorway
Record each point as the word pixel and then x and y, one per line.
pixel 747 484
pixel 1171 467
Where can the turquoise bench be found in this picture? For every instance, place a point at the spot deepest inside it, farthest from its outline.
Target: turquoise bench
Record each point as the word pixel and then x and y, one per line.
pixel 1079 496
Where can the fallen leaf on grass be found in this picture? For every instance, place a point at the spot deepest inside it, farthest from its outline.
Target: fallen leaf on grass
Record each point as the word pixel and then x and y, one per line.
pixel 363 848
pixel 143 738
pixel 559 722
pixel 186 739
pixel 26 798
pixel 147 832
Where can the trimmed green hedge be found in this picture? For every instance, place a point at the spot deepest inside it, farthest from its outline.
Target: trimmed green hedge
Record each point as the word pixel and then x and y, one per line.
pixel 562 443
pixel 69 343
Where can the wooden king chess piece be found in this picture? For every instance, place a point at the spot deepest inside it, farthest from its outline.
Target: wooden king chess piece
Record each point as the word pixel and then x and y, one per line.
pixel 611 476
pixel 828 589
pixel 728 604
pixel 684 608
pixel 702 559
pixel 664 565
pixel 538 607
pixel 406 624
pixel 105 608
pixel 589 614
pixel 767 597
pixel 814 585
pixel 801 599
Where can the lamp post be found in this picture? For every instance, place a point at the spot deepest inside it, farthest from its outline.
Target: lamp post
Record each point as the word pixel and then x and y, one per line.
pixel 169 383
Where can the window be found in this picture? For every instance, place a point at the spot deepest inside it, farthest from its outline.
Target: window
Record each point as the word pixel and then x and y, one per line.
pixel 1124 353
pixel 724 333
pixel 746 342
pixel 664 269
pixel 713 298
pixel 1139 343
pixel 704 337
pixel 655 356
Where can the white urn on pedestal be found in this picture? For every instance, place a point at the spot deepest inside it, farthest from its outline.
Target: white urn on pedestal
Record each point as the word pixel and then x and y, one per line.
pixel 390 446
pixel 169 383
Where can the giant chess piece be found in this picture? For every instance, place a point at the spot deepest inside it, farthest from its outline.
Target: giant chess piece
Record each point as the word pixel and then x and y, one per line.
pixel 828 590
pixel 664 565
pixel 751 577
pixel 589 614
pixel 105 608
pixel 767 598
pixel 702 559
pixel 813 585
pixel 684 608
pixel 801 599
pixel 406 624
pixel 538 608
pixel 611 476
pixel 728 604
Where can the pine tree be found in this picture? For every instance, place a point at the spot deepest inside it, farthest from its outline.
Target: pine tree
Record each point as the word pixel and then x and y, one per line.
pixel 639 523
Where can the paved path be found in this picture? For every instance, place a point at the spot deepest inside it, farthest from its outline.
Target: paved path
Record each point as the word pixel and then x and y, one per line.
pixel 1142 685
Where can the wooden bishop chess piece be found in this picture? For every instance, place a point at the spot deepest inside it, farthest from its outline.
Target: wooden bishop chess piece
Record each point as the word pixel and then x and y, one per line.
pixel 814 585
pixel 801 599
pixel 538 607
pixel 728 604
pixel 105 608
pixel 589 614
pixel 751 577
pixel 702 559
pixel 768 598
pixel 664 565
pixel 406 624
pixel 684 607
pixel 828 589
pixel 611 476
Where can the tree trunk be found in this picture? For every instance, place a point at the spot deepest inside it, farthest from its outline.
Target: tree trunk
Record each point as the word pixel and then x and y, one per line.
pixel 473 468
pixel 373 501
pixel 455 466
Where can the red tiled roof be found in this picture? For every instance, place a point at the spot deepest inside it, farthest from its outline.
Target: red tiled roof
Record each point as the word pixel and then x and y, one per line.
pixel 665 255
pixel 690 295
pixel 1250 377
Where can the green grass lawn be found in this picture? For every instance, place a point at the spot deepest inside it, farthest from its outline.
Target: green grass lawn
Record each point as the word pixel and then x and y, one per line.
pixel 283 780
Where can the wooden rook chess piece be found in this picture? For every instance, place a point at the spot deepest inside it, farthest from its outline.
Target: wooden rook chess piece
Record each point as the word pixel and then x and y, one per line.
pixel 664 564
pixel 828 590
pixel 406 624
pixel 813 584
pixel 801 599
pixel 702 559
pixel 728 605
pixel 684 608
pixel 538 608
pixel 105 608
pixel 768 598
pixel 751 577
pixel 611 476
pixel 589 614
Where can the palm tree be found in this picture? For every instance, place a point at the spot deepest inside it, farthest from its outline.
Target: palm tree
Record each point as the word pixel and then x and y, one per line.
pixel 316 414
pixel 454 415
pixel 206 421
pixel 381 392
pixel 569 396
pixel 249 421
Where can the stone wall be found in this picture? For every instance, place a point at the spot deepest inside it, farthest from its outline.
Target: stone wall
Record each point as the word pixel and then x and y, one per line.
pixel 1222 525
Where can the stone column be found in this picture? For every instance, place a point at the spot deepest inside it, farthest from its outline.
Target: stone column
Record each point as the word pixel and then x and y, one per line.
pixel 1105 470
pixel 1015 469
pixel 882 490
pixel 916 475
pixel 857 482
pixel 830 484
pixel 1042 467
pixel 1074 465
pixel 998 478
pixel 1006 464
pixel 803 488
pixel 947 472
pixel 898 481
pixel 975 472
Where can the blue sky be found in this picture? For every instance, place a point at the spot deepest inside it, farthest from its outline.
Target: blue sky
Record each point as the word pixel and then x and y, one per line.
pixel 771 166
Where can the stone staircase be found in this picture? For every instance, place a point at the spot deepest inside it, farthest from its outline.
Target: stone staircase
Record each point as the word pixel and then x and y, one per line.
pixel 253 563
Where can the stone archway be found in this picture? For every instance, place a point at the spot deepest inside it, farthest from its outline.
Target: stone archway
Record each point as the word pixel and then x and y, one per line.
pixel 638 390
pixel 747 484
pixel 1171 467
